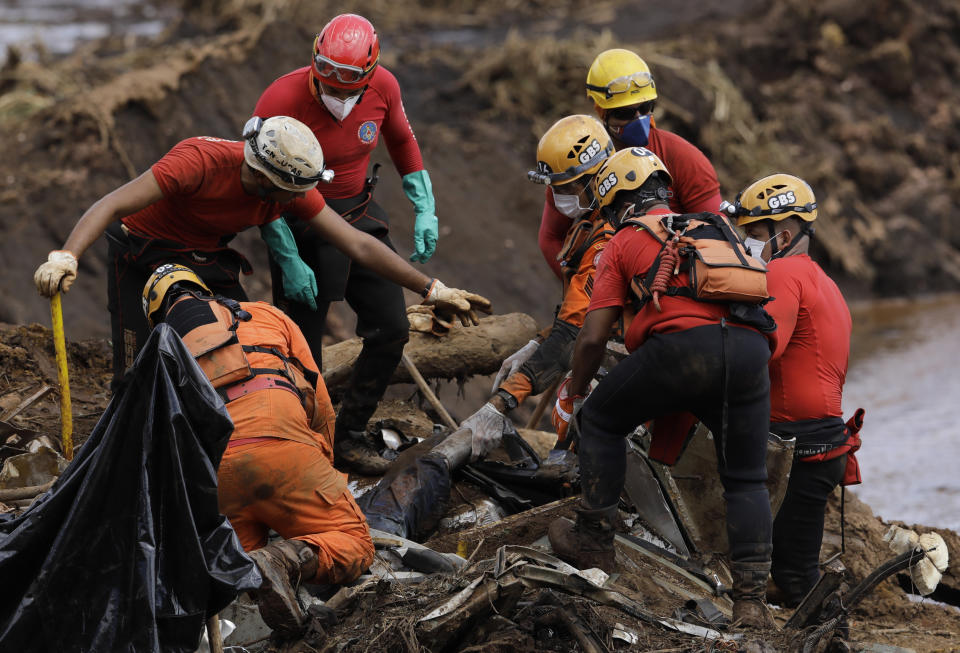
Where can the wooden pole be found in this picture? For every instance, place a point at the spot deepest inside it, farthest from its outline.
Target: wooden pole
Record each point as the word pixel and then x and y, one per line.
pixel 428 393
pixel 213 634
pixel 546 399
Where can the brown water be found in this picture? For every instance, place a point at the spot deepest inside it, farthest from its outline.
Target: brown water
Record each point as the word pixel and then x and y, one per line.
pixel 904 372
pixel 58 26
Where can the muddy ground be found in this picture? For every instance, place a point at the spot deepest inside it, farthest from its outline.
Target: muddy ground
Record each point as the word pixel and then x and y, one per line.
pixel 858 98
pixel 889 615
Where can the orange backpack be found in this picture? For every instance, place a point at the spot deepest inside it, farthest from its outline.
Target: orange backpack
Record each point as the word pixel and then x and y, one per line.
pixel 223 358
pixel 720 268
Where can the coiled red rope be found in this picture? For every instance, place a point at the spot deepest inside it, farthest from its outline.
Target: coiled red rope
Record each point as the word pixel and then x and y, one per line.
pixel 669 260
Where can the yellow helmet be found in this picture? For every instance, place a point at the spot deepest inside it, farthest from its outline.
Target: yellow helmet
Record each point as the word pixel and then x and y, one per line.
pixel 627 170
pixel 159 284
pixel 573 147
pixel 620 78
pixel 775 197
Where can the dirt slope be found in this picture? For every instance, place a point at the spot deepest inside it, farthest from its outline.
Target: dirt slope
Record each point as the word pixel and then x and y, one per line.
pixel 856 97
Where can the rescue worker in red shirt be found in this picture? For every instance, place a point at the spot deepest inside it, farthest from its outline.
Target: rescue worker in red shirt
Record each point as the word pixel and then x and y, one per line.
pixel 195 199
pixel 568 156
pixel 686 355
pixel 624 96
pixel 807 369
pixel 350 101
pixel 277 470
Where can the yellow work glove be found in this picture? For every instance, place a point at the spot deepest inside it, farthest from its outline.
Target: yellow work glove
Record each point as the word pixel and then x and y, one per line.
pixel 450 303
pixel 57 274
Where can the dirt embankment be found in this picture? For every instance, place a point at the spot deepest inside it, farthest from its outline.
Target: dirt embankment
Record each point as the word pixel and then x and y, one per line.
pixel 855 97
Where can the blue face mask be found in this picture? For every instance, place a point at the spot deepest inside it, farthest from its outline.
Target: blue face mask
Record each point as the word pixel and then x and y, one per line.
pixel 636 133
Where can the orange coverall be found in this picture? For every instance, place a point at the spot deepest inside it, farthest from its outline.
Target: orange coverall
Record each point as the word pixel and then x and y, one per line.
pixel 277 473
pixel 579 267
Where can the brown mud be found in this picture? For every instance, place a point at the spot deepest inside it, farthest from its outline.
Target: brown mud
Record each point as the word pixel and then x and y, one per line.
pixel 384 620
pixel 858 98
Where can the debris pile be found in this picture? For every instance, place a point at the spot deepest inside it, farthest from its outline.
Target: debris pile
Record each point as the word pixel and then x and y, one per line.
pixel 467 566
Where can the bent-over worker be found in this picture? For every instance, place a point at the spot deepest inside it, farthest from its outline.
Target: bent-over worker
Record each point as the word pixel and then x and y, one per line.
pixel 277 471
pixel 568 156
pixel 195 199
pixel 686 355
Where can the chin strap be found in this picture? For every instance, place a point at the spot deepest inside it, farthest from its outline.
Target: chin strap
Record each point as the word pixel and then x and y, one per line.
pixel 806 229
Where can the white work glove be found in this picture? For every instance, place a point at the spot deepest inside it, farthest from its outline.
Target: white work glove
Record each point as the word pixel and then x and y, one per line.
pixel 450 303
pixel 487 425
pixel 513 362
pixel 57 274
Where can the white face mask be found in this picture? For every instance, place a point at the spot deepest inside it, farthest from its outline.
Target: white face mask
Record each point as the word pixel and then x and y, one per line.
pixel 755 247
pixel 569 205
pixel 339 108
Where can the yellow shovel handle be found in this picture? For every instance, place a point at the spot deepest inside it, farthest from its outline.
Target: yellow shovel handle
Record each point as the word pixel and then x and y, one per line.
pixel 60 345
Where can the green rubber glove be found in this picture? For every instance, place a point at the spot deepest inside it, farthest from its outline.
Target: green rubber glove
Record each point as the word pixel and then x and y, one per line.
pixel 299 281
pixel 419 191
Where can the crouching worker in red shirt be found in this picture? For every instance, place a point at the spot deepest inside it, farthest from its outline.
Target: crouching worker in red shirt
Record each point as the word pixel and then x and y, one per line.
pixel 807 372
pixel 686 355
pixel 277 471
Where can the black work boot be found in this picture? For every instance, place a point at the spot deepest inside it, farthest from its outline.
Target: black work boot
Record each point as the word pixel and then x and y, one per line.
pixel 284 564
pixel 587 543
pixel 749 591
pixel 354 450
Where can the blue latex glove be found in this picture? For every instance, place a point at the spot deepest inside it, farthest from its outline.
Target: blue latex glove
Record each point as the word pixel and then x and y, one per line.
pixel 299 281
pixel 419 190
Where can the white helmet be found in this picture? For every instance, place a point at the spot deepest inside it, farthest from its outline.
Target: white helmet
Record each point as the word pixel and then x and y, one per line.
pixel 286 151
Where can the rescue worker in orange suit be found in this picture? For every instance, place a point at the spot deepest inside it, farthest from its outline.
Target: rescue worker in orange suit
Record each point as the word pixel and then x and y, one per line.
pixel 195 199
pixel 686 355
pixel 350 101
pixel 568 156
pixel 277 471
pixel 807 370
pixel 624 96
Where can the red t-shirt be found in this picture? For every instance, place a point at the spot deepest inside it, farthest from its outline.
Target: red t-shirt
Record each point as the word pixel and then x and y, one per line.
pixel 695 189
pixel 347 146
pixel 631 252
pixel 809 365
pixel 203 199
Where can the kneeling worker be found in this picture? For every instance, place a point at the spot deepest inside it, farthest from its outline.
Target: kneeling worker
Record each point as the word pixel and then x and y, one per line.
pixel 277 471
pixel 686 355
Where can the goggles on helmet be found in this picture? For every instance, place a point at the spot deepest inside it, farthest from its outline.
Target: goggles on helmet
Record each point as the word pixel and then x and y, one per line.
pixel 542 176
pixel 250 132
pixel 623 84
pixel 326 68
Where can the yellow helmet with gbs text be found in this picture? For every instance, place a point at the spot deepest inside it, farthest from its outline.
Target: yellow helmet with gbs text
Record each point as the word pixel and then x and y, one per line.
pixel 573 147
pixel 630 170
pixel 161 282
pixel 620 78
pixel 775 197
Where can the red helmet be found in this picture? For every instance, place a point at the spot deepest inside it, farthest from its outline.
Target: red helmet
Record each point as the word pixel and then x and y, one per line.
pixel 346 52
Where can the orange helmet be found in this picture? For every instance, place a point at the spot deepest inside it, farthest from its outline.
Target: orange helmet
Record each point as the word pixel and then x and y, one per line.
pixel 346 52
